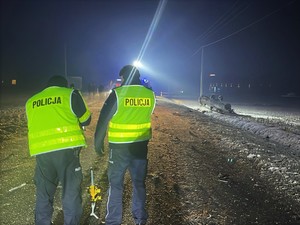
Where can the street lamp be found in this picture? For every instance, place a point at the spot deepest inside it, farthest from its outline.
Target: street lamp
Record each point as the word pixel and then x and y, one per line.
pixel 137 64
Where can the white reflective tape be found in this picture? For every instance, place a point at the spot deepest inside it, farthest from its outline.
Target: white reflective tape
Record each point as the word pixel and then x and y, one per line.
pixel 77 169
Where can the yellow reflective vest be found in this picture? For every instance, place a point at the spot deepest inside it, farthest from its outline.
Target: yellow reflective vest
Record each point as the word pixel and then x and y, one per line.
pixel 52 125
pixel 132 120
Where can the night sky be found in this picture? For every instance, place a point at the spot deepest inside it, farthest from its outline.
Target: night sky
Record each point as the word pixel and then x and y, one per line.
pixel 252 43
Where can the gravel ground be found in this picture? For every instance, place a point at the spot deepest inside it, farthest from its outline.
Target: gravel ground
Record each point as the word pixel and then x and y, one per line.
pixel 202 170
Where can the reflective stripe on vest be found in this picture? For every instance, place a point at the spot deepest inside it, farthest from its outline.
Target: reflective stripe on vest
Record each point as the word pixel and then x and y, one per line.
pixel 85 116
pixel 129 126
pixel 52 125
pixel 132 121
pixel 87 113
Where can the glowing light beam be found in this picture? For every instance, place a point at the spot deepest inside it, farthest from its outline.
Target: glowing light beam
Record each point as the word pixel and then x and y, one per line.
pixel 137 64
pixel 156 18
pixel 160 8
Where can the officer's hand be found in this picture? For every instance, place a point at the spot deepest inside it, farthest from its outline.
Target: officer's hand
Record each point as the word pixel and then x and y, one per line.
pixel 100 151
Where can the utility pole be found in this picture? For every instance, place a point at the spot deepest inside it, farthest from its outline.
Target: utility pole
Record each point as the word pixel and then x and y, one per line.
pixel 201 74
pixel 65 48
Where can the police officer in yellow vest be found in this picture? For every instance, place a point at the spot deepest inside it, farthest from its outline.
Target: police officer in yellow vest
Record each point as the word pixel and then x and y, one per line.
pixel 127 115
pixel 55 117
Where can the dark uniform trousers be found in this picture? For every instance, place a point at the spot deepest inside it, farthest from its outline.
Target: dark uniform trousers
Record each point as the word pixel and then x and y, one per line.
pixel 119 161
pixel 51 168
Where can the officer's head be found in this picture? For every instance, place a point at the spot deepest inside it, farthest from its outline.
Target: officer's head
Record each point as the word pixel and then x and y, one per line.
pixel 59 81
pixel 130 75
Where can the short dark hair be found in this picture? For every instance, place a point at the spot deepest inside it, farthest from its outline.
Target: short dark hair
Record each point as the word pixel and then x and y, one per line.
pixel 57 80
pixel 129 70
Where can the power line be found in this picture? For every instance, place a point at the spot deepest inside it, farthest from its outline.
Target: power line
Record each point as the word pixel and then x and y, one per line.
pixel 226 18
pixel 215 23
pixel 244 28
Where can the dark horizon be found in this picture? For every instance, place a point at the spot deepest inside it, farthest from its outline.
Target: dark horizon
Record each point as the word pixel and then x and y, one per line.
pixel 246 43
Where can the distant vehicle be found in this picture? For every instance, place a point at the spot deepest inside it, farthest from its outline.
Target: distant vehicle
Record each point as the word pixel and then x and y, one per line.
pixel 113 84
pixel 117 83
pixel 145 82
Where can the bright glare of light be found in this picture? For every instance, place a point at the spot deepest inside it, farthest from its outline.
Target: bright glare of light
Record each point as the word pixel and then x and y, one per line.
pixel 137 64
